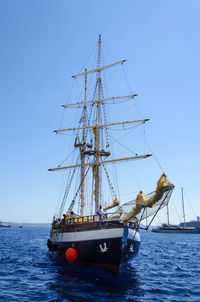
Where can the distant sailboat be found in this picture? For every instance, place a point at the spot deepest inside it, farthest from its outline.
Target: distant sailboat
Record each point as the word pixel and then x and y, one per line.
pixel 4 225
pixel 182 228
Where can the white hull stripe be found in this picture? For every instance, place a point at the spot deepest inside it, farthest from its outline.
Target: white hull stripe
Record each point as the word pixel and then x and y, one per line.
pixel 90 235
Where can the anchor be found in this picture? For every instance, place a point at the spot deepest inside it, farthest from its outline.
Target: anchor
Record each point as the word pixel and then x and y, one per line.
pixel 104 249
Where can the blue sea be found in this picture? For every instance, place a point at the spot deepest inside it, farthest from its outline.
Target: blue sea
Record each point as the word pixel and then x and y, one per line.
pixel 167 268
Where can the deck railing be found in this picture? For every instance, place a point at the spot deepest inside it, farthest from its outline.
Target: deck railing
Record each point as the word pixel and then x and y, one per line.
pixel 78 220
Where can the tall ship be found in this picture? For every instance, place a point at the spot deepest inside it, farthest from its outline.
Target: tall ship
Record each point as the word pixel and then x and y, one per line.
pixel 192 227
pixel 95 226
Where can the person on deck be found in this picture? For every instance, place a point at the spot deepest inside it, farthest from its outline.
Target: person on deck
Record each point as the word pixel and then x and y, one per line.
pixel 100 212
pixel 63 219
pixel 72 214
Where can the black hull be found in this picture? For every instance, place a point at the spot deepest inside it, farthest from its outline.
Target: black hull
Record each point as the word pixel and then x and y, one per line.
pixel 5 226
pixel 105 254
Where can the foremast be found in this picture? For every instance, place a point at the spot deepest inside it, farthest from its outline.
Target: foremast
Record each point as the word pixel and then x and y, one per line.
pixel 82 150
pixel 97 131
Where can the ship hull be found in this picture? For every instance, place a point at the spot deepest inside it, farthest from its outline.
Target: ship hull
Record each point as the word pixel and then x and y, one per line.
pixel 5 226
pixel 177 231
pixel 104 249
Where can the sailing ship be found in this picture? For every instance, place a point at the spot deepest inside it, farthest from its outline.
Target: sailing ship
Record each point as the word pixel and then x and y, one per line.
pixel 4 225
pixel 82 233
pixel 183 228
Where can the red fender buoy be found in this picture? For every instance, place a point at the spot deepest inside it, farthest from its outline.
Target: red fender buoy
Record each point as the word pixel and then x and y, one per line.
pixel 71 254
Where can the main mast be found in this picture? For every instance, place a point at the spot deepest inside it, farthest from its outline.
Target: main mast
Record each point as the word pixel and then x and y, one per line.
pixel 97 131
pixel 183 207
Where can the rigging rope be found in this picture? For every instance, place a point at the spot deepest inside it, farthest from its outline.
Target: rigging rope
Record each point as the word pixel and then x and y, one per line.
pixel 73 201
pixel 126 78
pixel 92 196
pixel 94 49
pixel 109 183
pixel 156 159
pixel 73 151
pixel 153 154
pixel 157 210
pixel 195 214
pixel 70 178
pixel 105 120
pixel 123 145
pixel 63 112
pixel 176 210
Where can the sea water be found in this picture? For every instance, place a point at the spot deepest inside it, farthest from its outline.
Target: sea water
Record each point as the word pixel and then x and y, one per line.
pixel 167 268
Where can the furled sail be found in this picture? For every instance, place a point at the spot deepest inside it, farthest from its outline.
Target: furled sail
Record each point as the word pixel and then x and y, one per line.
pixel 114 204
pixel 142 201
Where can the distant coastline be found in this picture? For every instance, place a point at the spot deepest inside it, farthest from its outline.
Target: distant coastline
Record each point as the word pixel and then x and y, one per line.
pixel 28 224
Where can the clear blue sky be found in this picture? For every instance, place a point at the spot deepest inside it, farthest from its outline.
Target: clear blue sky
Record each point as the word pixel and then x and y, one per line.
pixel 44 42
